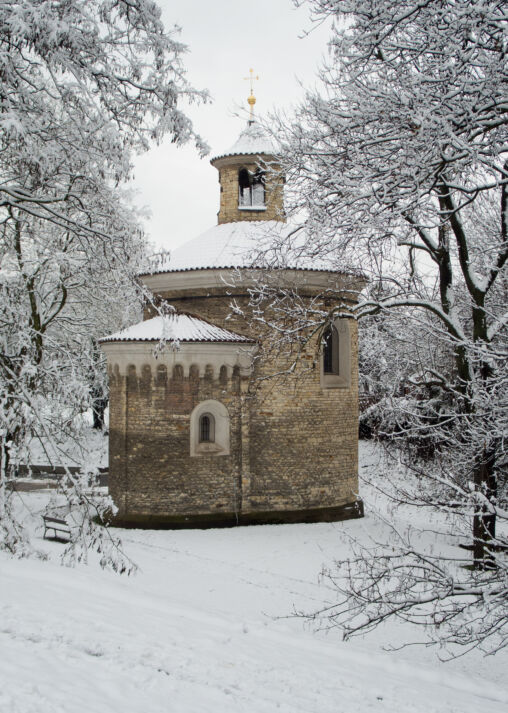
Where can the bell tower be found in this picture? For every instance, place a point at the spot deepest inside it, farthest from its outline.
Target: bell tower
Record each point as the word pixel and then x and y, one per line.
pixel 251 185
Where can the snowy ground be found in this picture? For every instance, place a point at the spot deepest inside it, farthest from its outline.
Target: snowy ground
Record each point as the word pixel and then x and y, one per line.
pixel 69 452
pixel 197 630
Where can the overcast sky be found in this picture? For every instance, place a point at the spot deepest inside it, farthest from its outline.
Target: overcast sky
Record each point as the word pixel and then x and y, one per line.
pixel 225 38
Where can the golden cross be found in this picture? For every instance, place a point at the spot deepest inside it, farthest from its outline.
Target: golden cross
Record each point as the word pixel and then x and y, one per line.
pixel 251 99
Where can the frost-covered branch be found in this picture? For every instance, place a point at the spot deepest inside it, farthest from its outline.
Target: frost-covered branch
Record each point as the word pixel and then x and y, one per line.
pixel 398 164
pixel 85 84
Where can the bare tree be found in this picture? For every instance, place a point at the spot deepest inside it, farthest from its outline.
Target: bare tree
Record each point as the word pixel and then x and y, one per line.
pixel 399 164
pixel 83 86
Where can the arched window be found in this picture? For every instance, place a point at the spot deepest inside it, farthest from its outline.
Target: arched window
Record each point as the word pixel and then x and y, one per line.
pixel 331 363
pixel 336 360
pixel 251 189
pixel 209 429
pixel 243 187
pixel 206 428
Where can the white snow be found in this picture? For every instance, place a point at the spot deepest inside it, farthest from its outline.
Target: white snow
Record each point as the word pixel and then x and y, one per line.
pixel 176 328
pixel 196 630
pixel 227 245
pixel 253 140
pixel 241 244
pixel 90 448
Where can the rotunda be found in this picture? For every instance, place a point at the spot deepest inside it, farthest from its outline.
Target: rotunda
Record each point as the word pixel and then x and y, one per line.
pixel 200 432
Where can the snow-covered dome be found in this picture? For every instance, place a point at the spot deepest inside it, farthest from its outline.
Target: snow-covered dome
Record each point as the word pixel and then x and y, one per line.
pixel 251 234
pixel 240 244
pixel 254 140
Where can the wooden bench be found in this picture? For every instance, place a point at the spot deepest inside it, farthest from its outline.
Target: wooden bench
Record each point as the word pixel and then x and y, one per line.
pixel 58 525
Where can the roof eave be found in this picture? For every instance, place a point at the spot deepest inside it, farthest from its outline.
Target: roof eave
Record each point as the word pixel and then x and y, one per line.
pixel 253 156
pixel 106 340
pixel 252 267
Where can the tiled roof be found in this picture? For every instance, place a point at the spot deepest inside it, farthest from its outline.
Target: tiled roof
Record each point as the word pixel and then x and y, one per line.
pixel 176 328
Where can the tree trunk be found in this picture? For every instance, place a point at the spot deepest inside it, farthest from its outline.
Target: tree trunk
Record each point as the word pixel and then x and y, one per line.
pixel 98 409
pixel 484 520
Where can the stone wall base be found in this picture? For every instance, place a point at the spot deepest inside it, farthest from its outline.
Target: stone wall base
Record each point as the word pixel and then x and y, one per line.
pixel 209 520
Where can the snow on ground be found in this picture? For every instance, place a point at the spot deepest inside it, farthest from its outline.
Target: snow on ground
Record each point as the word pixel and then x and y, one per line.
pixel 198 629
pixel 71 452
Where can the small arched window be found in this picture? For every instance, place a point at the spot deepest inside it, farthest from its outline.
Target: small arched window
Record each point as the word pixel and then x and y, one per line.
pixel 331 350
pixel 206 428
pixel 251 189
pixel 209 429
pixel 336 360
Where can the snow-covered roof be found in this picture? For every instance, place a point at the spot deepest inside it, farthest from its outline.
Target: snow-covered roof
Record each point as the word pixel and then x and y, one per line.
pixel 240 244
pixel 176 328
pixel 253 140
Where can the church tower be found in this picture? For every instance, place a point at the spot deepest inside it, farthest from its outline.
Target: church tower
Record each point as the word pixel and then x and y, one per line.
pixel 250 180
pixel 200 433
pixel 249 176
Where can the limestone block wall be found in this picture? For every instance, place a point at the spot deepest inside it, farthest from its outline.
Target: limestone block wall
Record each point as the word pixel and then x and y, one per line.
pixel 152 478
pixel 304 439
pixel 299 440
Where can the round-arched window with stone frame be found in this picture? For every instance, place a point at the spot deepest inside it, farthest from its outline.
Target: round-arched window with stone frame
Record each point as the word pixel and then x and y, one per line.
pixel 336 355
pixel 209 429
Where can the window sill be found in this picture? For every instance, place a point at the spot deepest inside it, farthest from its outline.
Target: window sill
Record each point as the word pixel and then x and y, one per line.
pixel 334 381
pixel 210 449
pixel 252 207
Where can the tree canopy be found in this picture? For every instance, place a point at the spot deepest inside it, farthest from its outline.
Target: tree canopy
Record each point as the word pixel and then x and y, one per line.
pixel 398 162
pixel 83 85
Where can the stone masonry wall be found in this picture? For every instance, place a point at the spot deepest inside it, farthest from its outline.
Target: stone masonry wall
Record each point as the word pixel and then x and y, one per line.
pixel 300 447
pixel 151 473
